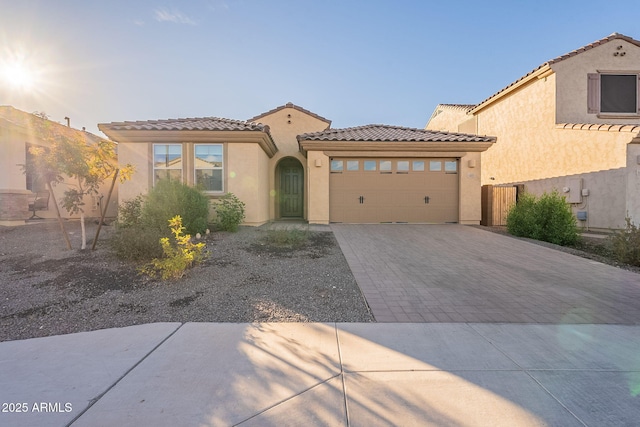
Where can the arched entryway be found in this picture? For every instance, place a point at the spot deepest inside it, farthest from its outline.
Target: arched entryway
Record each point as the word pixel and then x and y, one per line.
pixel 290 180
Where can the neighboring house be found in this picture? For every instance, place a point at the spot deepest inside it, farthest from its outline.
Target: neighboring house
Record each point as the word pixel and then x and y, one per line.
pixel 289 163
pixel 19 131
pixel 572 124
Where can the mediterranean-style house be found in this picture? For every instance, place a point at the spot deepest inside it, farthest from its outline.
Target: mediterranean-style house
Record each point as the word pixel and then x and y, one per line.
pixel 20 192
pixel 289 163
pixel 572 124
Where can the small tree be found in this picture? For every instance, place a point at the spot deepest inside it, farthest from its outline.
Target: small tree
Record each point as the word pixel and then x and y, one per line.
pixel 70 153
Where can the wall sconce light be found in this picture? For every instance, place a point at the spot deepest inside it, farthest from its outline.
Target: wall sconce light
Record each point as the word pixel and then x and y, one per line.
pixel 318 163
pixel 471 163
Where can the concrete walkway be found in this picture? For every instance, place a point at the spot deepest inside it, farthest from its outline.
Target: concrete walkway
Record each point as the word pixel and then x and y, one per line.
pixel 455 273
pixel 203 374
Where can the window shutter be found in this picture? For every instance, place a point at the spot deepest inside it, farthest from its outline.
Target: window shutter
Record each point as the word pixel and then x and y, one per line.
pixel 638 94
pixel 593 93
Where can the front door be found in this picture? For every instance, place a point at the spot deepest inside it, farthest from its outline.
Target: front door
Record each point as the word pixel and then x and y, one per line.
pixel 291 199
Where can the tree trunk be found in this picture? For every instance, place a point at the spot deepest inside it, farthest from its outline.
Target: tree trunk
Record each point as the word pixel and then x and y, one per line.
pixel 103 212
pixel 55 203
pixel 84 234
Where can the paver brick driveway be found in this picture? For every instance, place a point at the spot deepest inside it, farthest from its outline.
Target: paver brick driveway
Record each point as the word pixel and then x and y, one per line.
pixel 456 273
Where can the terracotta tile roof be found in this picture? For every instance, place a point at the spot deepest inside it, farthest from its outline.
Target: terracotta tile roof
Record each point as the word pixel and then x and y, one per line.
pixel 14 117
pixel 385 133
pixel 466 107
pixel 289 105
pixel 201 123
pixel 614 36
pixel 600 127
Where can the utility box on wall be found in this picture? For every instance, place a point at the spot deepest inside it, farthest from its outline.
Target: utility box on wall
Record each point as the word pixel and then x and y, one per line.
pixel 573 190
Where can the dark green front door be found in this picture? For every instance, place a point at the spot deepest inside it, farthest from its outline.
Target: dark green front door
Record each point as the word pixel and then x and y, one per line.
pixel 291 200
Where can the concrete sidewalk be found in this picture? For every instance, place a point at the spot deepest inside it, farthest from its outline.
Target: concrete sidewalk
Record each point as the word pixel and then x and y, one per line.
pixel 204 374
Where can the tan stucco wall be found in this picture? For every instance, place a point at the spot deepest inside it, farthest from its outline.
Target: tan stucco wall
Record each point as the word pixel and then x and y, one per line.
pixel 12 146
pixel 246 174
pixel 247 177
pixel 447 119
pixel 572 80
pixel 285 125
pixel 137 155
pixel 13 180
pixel 470 194
pixel 317 185
pixel 530 146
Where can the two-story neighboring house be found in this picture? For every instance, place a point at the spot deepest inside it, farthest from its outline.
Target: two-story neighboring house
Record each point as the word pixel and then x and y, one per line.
pixel 572 124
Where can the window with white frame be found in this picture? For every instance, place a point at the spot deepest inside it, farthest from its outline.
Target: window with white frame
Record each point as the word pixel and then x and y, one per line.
pixel 613 93
pixel 167 162
pixel 209 169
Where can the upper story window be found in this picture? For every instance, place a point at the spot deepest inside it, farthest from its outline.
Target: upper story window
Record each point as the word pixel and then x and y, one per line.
pixel 167 162
pixel 208 167
pixel 613 94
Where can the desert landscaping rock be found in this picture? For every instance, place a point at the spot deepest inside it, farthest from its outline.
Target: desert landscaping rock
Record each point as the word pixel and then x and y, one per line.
pixel 48 290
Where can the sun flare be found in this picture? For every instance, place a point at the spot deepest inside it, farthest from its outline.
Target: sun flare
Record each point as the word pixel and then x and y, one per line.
pixel 18 76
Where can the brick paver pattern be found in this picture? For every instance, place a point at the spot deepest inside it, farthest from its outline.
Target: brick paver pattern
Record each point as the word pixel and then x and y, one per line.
pixel 456 273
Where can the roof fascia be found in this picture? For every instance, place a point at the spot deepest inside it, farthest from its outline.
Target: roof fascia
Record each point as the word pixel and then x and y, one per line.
pixel 382 147
pixel 545 70
pixel 198 136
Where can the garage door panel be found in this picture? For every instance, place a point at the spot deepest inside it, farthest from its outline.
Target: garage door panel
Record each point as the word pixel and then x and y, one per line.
pixel 422 195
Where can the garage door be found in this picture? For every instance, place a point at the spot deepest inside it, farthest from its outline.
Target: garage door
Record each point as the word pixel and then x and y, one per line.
pixel 393 190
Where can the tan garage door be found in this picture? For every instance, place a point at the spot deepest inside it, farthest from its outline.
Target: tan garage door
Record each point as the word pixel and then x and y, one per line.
pixel 393 190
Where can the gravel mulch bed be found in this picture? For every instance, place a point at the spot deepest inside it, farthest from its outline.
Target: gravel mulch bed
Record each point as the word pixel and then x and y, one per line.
pixel 47 290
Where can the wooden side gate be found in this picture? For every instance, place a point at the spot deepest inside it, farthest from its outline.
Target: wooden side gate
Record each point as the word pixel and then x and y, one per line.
pixel 496 202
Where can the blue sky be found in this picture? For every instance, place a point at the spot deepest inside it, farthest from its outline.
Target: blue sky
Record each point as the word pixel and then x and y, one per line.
pixel 353 62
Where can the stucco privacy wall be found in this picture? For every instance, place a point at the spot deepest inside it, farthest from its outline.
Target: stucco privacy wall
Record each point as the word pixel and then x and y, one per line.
pixel 633 181
pixel 606 203
pixel 285 124
pixel 572 80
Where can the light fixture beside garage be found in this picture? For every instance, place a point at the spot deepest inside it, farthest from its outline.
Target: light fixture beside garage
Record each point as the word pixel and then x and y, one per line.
pixel 318 163
pixel 471 163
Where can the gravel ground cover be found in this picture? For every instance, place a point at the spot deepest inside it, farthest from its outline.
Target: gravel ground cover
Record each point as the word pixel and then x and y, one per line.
pixel 48 290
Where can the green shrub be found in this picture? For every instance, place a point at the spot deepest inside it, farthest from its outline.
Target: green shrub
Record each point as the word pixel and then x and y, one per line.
pixel 136 243
pixel 170 198
pixel 229 212
pixel 548 218
pixel 179 253
pixel 556 222
pixel 625 244
pixel 287 237
pixel 520 220
pixel 130 212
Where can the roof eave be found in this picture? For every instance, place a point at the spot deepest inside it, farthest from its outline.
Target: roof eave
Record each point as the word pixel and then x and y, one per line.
pixel 423 146
pixel 198 136
pixel 541 72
